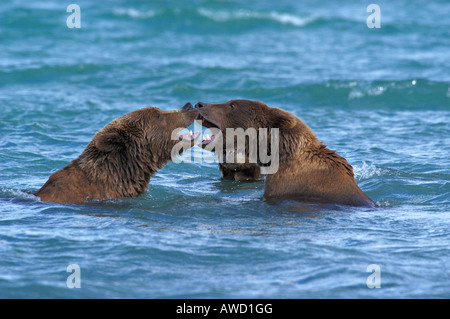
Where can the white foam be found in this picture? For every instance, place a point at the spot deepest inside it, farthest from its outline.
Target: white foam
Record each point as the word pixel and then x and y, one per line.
pixel 133 13
pixel 365 171
pixel 284 18
pixel 15 193
pixel 290 19
pixel 356 93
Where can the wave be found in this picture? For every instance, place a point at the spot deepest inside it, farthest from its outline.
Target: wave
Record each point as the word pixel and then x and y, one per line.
pixel 220 16
pixel 283 18
pixel 410 94
pixel 6 192
pixel 134 13
pixel 404 94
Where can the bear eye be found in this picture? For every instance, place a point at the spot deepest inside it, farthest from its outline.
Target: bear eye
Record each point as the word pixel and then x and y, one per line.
pixel 232 105
pixel 158 115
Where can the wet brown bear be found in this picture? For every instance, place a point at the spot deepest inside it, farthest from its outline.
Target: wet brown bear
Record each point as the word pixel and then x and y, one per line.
pixel 235 170
pixel 121 158
pixel 308 171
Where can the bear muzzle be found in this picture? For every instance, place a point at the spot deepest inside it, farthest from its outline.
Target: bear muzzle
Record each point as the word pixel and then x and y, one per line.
pixel 200 105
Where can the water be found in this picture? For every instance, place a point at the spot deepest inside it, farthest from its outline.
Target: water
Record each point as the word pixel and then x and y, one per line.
pixel 381 97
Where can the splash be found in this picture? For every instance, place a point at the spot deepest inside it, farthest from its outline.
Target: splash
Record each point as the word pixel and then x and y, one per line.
pixel 15 193
pixel 366 171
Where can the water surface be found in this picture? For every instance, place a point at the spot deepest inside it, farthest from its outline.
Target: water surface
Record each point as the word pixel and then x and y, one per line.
pixel 381 97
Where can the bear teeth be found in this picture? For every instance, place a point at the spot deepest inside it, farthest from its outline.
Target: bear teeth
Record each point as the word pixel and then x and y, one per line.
pixel 188 136
pixel 208 138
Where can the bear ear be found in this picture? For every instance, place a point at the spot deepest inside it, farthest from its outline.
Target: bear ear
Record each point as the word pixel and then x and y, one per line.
pixel 282 119
pixel 110 142
pixel 187 107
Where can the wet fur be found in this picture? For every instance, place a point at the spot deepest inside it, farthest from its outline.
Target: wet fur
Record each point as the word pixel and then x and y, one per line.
pixel 308 170
pixel 120 159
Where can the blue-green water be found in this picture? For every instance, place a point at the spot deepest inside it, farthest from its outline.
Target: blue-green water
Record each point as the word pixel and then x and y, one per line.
pixel 381 97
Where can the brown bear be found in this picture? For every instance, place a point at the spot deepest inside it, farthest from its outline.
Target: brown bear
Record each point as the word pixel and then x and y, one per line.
pixel 307 171
pixel 122 157
pixel 236 170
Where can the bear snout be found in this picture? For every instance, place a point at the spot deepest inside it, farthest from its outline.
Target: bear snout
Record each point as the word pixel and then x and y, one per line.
pixel 200 105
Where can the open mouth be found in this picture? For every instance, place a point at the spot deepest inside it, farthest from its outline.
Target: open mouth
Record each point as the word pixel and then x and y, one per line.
pixel 207 139
pixel 208 124
pixel 191 136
